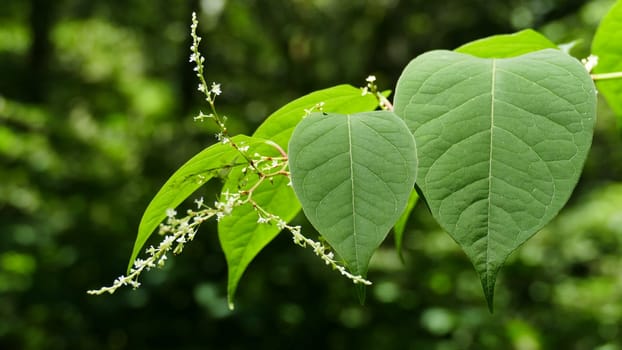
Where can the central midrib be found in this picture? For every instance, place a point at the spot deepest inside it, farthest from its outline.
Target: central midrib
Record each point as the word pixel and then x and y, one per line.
pixel 492 127
pixel 356 251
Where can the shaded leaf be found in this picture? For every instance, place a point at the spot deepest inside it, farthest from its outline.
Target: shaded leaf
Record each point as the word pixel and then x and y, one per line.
pixel 353 175
pixel 501 144
pixel 607 45
pixel 400 225
pixel 507 45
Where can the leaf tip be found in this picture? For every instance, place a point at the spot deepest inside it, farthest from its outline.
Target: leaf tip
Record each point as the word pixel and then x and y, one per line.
pixel 488 285
pixel 361 292
pixel 490 303
pixel 400 255
pixel 230 294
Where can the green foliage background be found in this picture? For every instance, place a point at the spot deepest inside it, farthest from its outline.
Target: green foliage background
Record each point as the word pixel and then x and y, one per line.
pixel 96 106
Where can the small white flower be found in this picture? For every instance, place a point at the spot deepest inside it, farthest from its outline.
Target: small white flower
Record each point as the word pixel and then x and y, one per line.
pixel 184 224
pixel 191 235
pixel 138 263
pixel 170 212
pixel 216 89
pixel 162 260
pixel 167 242
pixel 590 62
pixel 199 202
pixel 134 284
pixel 281 224
pixel 151 250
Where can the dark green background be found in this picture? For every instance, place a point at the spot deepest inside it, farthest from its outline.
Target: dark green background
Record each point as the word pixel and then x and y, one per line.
pixel 96 107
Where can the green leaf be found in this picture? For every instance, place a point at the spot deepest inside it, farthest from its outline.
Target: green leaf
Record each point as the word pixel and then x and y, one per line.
pixel 240 234
pixel 187 179
pixel 507 45
pixel 501 144
pixel 353 175
pixel 607 45
pixel 400 225
pixel 241 237
pixel 279 126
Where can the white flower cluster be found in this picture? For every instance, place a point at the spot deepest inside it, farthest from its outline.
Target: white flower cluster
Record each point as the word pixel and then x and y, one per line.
pixel 319 249
pixel 323 252
pixel 226 205
pixel 590 62
pixel 372 88
pixel 177 232
pixel 370 85
pixel 195 56
pixel 318 107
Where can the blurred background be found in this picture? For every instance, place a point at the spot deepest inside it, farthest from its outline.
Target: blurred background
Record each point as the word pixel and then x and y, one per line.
pixel 96 106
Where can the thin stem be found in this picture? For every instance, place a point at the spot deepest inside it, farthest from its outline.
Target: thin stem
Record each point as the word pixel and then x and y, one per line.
pixel 279 148
pixel 605 76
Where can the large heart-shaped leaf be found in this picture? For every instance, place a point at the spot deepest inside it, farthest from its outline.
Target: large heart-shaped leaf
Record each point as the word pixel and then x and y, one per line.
pixel 353 175
pixel 501 144
pixel 241 236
